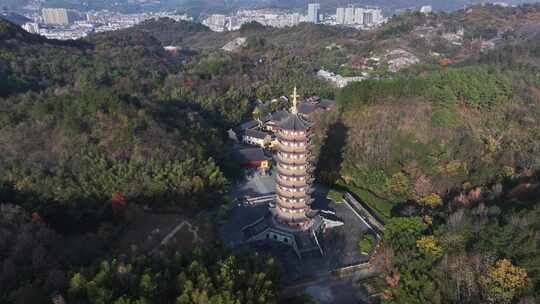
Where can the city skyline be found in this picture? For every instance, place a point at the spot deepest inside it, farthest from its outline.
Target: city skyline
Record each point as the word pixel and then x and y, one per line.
pixel 64 23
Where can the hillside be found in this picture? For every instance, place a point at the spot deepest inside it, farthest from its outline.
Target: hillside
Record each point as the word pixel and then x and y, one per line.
pixel 98 132
pixel 97 104
pixel 458 148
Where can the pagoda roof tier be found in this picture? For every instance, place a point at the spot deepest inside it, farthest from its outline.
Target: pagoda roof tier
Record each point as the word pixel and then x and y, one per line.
pixel 293 161
pixel 293 138
pixel 297 213
pixel 294 122
pixel 300 195
pixel 303 221
pixel 295 153
pixel 282 202
pixel 300 199
pixel 295 167
pixel 303 208
pixel 291 176
pixel 289 186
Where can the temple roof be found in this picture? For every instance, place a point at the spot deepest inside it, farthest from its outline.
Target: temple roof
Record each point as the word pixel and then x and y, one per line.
pixel 294 122
pixel 256 134
pixel 248 125
pixel 306 108
pixel 278 115
pixel 250 154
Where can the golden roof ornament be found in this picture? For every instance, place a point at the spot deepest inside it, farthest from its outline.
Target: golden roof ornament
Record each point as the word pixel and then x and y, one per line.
pixel 295 96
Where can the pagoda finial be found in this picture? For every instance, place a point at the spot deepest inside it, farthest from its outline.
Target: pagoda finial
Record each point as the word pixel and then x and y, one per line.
pixel 295 96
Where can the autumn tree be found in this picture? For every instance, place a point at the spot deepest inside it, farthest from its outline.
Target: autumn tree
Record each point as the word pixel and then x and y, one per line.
pixel 428 245
pixel 503 282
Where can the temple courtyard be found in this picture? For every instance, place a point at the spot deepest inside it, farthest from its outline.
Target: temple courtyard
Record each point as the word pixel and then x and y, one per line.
pixel 340 244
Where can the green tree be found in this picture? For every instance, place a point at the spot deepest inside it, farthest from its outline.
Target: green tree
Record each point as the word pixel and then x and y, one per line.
pixel 401 233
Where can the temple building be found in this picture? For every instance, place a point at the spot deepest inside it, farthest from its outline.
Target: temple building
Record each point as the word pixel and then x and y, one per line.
pixel 290 219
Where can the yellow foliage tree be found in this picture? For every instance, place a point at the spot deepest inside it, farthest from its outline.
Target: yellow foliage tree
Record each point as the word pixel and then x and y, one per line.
pixel 428 244
pixel 397 185
pixel 503 282
pixel 433 200
pixel 508 172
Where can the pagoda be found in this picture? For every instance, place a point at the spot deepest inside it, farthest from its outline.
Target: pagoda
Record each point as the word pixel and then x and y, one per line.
pixel 290 219
pixel 293 172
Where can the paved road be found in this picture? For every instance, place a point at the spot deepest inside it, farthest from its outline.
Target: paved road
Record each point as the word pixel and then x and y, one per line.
pixel 329 289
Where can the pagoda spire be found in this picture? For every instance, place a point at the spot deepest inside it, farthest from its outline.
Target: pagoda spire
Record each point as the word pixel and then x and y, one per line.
pixel 295 96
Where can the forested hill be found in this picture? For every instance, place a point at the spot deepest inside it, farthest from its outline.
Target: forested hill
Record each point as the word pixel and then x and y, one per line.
pixel 447 154
pixel 449 157
pixel 82 120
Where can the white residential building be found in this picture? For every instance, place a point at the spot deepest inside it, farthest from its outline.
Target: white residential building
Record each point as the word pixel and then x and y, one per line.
pixel 426 9
pixel 31 27
pixel 340 15
pixel 338 80
pixel 313 12
pixel 56 16
pixel 366 17
pixel 358 15
pixel 216 22
pixel 349 15
pixel 295 19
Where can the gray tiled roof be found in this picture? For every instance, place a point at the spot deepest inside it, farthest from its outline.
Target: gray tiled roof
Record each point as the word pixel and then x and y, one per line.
pixel 250 154
pixel 306 108
pixel 256 134
pixel 248 125
pixel 279 115
pixel 294 122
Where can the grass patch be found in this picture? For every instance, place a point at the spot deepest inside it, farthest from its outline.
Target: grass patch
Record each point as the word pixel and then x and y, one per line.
pixel 366 243
pixel 335 196
pixel 382 207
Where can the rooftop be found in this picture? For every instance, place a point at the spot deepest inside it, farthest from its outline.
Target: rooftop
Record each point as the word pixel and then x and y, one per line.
pixel 307 108
pixel 256 134
pixel 278 116
pixel 250 154
pixel 248 125
pixel 294 122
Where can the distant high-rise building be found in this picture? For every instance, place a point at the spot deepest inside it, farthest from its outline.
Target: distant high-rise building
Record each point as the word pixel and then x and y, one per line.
pixel 232 23
pixel 372 16
pixel 340 15
pixel 358 15
pixel 367 18
pixel 216 22
pixel 313 12
pixel 426 9
pixel 349 15
pixel 295 19
pixel 31 27
pixel 56 16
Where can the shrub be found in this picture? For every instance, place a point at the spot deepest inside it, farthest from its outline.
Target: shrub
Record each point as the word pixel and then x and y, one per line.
pixel 335 196
pixel 367 242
